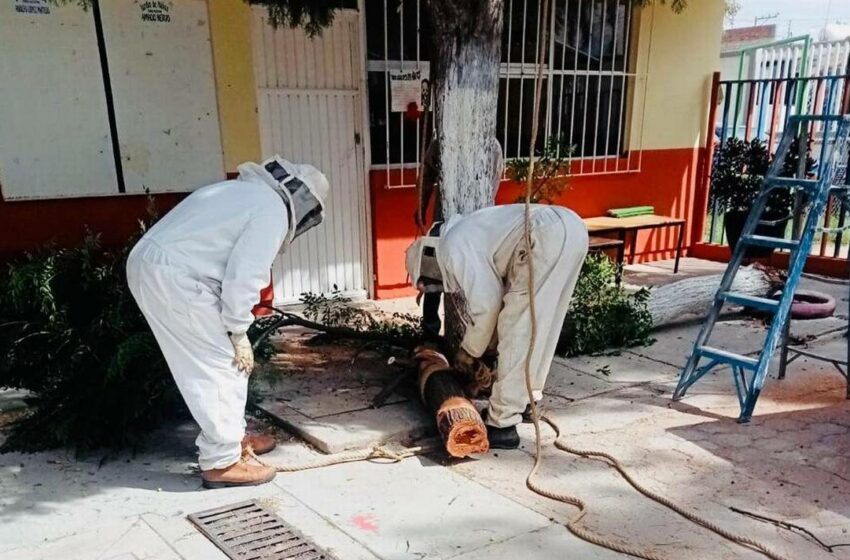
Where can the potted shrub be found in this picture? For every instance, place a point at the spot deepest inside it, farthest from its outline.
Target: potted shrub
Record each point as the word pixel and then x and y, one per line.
pixel 736 180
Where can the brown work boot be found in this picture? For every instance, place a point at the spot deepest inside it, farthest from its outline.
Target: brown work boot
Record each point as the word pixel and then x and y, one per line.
pixel 260 443
pixel 240 473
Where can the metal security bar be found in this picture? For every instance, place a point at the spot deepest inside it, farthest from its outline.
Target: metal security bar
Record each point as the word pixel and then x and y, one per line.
pixel 760 109
pixel 590 98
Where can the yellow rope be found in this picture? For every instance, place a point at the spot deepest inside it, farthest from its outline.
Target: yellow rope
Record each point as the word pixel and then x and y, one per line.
pixel 663 500
pixel 377 452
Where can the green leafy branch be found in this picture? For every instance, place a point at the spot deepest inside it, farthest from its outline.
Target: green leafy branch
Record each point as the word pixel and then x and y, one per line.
pixel 551 170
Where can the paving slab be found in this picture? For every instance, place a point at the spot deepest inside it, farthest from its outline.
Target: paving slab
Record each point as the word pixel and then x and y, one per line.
pixel 314 525
pixel 186 540
pixel 552 542
pixel 401 422
pixel 130 539
pixel 623 367
pixel 324 395
pixel 413 509
pixel 322 380
pixel 674 344
pixel 809 384
pixel 58 494
pixel 183 537
pixel 568 383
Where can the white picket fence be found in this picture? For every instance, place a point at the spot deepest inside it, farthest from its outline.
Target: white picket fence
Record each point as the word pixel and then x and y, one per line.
pixel 825 58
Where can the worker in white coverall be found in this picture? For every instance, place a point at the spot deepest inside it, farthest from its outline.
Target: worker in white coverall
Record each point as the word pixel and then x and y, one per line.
pixel 482 257
pixel 197 274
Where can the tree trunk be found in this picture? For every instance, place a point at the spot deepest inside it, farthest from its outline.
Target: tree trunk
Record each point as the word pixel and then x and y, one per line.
pixel 467 48
pixel 669 303
pixel 458 421
pixel 468 44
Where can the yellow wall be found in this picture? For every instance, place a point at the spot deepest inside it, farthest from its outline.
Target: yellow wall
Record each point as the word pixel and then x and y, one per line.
pixel 683 53
pixel 230 29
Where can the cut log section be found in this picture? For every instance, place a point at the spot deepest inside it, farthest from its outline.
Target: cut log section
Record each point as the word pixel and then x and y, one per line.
pixel 693 296
pixel 441 388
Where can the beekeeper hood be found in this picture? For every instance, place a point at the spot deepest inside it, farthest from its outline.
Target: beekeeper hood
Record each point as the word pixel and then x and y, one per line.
pixel 423 261
pixel 303 188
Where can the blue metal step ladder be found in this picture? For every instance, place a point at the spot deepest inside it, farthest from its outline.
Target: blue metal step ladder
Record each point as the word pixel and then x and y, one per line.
pixel 831 135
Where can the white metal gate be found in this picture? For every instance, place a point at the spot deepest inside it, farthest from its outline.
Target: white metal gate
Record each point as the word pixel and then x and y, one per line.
pixel 310 103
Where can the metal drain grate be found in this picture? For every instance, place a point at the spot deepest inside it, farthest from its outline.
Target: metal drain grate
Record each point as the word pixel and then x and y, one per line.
pixel 248 531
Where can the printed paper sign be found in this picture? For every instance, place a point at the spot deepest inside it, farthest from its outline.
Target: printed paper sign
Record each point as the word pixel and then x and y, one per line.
pixel 32 7
pixel 156 11
pixel 406 88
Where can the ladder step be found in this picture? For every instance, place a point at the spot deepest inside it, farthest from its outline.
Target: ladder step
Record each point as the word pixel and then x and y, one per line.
pixel 728 357
pixel 765 304
pixel 773 242
pixel 792 182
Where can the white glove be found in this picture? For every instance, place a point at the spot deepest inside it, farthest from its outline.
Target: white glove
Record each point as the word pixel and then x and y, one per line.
pixel 244 353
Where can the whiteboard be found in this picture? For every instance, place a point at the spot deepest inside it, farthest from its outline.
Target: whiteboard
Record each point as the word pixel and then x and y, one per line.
pixel 160 60
pixel 54 131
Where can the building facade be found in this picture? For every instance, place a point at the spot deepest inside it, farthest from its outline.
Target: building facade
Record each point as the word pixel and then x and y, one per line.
pixel 134 101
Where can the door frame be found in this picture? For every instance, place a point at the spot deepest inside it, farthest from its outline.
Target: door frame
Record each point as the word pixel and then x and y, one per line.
pixel 366 143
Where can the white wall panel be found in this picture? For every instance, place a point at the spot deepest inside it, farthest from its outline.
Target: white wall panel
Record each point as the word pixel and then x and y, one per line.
pixel 54 131
pixel 161 64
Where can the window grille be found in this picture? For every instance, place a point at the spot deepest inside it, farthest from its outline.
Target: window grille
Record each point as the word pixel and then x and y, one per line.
pixel 589 77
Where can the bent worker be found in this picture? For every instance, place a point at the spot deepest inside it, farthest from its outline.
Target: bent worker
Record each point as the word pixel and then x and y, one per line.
pixel 196 276
pixel 482 258
pixel 431 323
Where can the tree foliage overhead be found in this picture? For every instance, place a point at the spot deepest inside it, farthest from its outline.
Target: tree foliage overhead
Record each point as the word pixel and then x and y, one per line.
pixel 315 15
pixel 311 15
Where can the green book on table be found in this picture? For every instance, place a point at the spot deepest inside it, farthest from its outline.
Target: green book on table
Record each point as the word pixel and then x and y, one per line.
pixel 631 211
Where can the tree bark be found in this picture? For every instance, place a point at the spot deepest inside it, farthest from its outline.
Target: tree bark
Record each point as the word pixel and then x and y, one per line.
pixel 467 48
pixel 468 44
pixel 671 302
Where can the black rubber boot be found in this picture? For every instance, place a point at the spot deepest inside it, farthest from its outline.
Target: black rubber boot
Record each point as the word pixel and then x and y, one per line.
pixel 503 438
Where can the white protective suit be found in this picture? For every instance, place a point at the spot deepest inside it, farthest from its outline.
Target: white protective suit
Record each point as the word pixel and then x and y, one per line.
pixel 197 274
pixel 482 257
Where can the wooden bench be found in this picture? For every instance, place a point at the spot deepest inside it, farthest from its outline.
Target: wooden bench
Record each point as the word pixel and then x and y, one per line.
pixel 623 226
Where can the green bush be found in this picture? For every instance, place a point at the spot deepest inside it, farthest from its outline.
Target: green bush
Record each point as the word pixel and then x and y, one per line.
pixel 603 315
pixel 738 172
pixel 73 336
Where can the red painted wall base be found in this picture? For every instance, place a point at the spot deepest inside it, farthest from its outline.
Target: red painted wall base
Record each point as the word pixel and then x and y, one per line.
pixel 27 225
pixel 827 266
pixel 666 181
